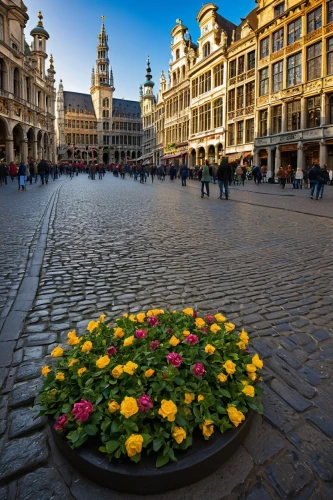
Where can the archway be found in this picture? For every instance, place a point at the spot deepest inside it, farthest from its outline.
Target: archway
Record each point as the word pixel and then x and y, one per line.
pixel 3 136
pixel 40 146
pixel 211 155
pixel 193 158
pixel 17 141
pixel 133 155
pixel 122 156
pixel 106 158
pixel 116 156
pixel 128 156
pixel 201 156
pixel 31 140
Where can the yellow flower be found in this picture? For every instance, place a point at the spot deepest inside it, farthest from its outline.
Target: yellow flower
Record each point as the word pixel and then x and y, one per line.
pixel 174 312
pixel 235 416
pixel 168 410
pixel 149 373
pixel 103 362
pixel 249 391
pixel 215 328
pixel 252 376
pixel 155 312
pixel 140 317
pixel 230 367
pixel 188 398
pixel 71 334
pixel 179 434
pixel 87 346
pixel 207 428
pixel 134 444
pixel 220 318
pixel 188 311
pixel 256 361
pixel 118 333
pixel 117 371
pixel 73 341
pixel 130 367
pixel 210 349
pixel 186 333
pixel 60 376
pixel 200 398
pixel 57 352
pixel 129 341
pixel 199 322
pixel 187 411
pixel 244 382
pixel 241 345
pixel 45 370
pixel 229 327
pixel 92 325
pixel 72 362
pixel 113 406
pixel 244 336
pixel 125 315
pixel 251 368
pixel 53 392
pixel 222 377
pixel 174 341
pixel 132 318
pixel 102 317
pixel 129 407
pixel 81 371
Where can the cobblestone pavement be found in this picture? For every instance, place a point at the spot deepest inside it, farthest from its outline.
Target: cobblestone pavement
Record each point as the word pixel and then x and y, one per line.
pixel 115 245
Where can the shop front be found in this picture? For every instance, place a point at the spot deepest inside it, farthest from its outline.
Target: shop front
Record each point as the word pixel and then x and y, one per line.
pixel 263 158
pixel 311 153
pixel 289 155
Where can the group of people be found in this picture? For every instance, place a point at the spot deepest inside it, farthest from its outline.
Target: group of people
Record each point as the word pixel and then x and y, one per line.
pixel 314 178
pixel 28 172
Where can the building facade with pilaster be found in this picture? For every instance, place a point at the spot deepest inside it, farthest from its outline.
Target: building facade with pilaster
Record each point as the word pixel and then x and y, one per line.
pixel 27 93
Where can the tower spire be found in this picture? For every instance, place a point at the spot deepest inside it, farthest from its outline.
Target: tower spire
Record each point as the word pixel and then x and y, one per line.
pixel 102 62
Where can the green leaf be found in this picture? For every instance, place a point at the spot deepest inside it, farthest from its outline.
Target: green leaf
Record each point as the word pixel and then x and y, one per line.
pixel 105 425
pixel 220 409
pixel 157 444
pixel 180 420
pixel 162 460
pixel 91 430
pixel 102 449
pixel 226 393
pixel 136 458
pixel 172 455
pixel 111 446
pixel 146 439
pixel 114 427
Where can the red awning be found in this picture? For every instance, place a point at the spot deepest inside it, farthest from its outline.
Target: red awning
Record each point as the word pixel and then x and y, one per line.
pixel 173 155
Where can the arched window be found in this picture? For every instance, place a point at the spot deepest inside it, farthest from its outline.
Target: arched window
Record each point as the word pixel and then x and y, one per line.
pixel 16 82
pixel 177 54
pixel 174 78
pixel 206 49
pixel 105 102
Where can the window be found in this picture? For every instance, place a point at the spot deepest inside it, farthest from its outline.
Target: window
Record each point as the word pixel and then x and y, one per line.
pixel 105 140
pixel 218 113
pixel 231 134
pixel 240 132
pixel 313 61
pixel 329 11
pixel 277 76
pixel 206 49
pixel 218 72
pixel 249 94
pixel 177 54
pixel 1 27
pixel 294 31
pixel 314 20
pixel 249 130
pixel 2 74
pixel 241 65
pixel 294 115
pixel 105 126
pixel 330 56
pixel 264 47
pixel 232 69
pixel 106 102
pixel 204 117
pixel 201 84
pixel 279 9
pixel 277 119
pixel 16 82
pixel 240 97
pixel 231 100
pixel 314 111
pixel 263 123
pixel 277 40
pixel 251 60
pixel 263 82
pixel 195 121
pixel 175 105
pixel 294 70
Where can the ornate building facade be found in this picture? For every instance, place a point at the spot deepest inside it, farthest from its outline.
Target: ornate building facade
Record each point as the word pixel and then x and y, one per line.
pixel 97 126
pixel 27 93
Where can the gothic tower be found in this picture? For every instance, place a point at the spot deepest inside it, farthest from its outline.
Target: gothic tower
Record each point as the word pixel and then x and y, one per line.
pixel 102 90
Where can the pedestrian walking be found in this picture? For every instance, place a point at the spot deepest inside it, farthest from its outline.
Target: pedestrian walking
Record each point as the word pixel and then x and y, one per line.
pixel 239 174
pixel 205 179
pixel 153 172
pixel 322 179
pixel 282 176
pixel 224 177
pixel 12 170
pixel 42 171
pixel 22 176
pixel 183 173
pixel 3 173
pixel 298 182
pixel 313 178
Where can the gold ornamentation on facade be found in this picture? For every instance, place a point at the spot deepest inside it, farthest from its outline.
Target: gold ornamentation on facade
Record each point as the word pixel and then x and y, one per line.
pixel 328 28
pixel 241 77
pixel 276 96
pixel 262 100
pixel 312 86
pixel 328 81
pixel 291 91
pixel 276 55
pixel 250 73
pixel 311 36
pixel 293 46
pixel 249 110
pixel 263 61
pixel 239 112
pixel 232 81
pixel 231 115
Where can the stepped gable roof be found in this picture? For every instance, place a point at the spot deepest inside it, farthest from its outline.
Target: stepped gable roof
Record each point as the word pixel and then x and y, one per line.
pixel 126 109
pixel 75 100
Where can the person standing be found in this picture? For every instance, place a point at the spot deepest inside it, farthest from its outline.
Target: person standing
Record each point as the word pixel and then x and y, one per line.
pixel 313 178
pixel 42 171
pixel 12 170
pixel 205 179
pixel 282 176
pixel 183 173
pixel 224 177
pixel 22 175
pixel 298 179
pixel 322 179
pixel 239 172
pixel 244 170
pixel 3 174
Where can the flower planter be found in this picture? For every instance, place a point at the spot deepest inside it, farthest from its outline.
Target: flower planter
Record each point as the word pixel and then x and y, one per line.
pixel 194 464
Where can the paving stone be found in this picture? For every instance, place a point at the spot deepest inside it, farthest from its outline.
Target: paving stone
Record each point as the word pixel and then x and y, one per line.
pixel 288 357
pixel 259 493
pixel 277 412
pixel 43 484
pixel 320 335
pixel 28 371
pixel 41 339
pixel 322 421
pixel 290 396
pixel 22 455
pixel 24 420
pixel 31 353
pixel 24 393
pixel 290 376
pixel 262 443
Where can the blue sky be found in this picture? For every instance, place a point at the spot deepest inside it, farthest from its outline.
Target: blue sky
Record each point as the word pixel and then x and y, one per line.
pixel 135 28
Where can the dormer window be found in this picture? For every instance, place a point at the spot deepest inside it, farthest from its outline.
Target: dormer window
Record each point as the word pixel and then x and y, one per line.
pixel 279 9
pixel 206 49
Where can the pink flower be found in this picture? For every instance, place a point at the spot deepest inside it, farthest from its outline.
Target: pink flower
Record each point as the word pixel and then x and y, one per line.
pixel 61 422
pixel 209 319
pixel 82 410
pixel 154 345
pixel 111 351
pixel 174 359
pixel 169 331
pixel 145 403
pixel 140 334
pixel 152 321
pixel 192 339
pixel 195 314
pixel 199 369
pixel 204 330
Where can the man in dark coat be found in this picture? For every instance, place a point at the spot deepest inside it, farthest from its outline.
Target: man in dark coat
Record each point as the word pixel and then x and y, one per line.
pixel 183 173
pixel 313 178
pixel 224 177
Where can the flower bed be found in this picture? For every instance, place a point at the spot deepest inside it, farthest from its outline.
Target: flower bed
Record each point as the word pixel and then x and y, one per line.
pixel 150 382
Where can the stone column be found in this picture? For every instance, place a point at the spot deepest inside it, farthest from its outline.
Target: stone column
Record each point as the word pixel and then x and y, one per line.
pixel 24 150
pixel 300 156
pixel 323 110
pixel 303 113
pixel 277 159
pixel 284 117
pixel 269 162
pixel 34 150
pixel 322 153
pixel 256 157
pixel 9 150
